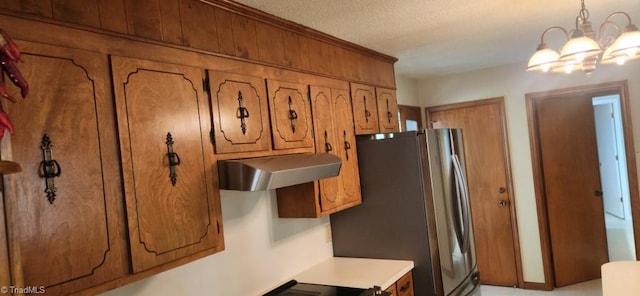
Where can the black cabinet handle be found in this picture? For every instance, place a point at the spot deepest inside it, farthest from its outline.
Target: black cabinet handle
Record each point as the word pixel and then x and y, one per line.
pixel 405 287
pixel 347 145
pixel 293 116
pixel 174 159
pixel 241 113
pixel 367 114
pixel 327 145
pixel 49 168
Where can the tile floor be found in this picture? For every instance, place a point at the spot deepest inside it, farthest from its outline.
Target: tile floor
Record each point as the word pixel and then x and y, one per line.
pixel 590 288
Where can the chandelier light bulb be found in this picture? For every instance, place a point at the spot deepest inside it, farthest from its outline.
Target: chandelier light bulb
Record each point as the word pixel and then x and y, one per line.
pixel 568 68
pixel 620 60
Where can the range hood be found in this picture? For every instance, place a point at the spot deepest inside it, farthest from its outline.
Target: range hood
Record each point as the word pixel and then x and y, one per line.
pixel 263 173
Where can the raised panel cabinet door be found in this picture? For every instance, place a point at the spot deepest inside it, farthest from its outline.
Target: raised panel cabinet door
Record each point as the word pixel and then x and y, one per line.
pixel 326 142
pixel 387 110
pixel 349 178
pixel 240 113
pixel 291 123
pixel 64 211
pixel 365 112
pixel 168 166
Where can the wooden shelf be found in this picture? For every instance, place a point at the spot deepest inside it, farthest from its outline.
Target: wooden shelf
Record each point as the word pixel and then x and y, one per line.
pixel 9 167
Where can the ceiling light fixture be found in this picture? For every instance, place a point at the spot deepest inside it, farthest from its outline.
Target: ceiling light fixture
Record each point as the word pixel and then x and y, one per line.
pixel 583 51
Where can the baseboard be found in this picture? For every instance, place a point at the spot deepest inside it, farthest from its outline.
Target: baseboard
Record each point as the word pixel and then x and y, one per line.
pixel 536 286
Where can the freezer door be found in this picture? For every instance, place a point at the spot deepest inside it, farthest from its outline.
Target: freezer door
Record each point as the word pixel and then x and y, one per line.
pixel 450 199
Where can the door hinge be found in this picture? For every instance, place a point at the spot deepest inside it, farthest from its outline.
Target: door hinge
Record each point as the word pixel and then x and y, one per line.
pixel 218 226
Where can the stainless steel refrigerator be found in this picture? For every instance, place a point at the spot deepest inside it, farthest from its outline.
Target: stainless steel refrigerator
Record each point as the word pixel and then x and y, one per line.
pixel 415 207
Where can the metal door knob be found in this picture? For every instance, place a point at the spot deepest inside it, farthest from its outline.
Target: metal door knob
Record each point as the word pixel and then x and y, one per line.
pixel 502 203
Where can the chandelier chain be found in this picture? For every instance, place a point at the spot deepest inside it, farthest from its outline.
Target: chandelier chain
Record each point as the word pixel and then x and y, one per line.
pixel 584 13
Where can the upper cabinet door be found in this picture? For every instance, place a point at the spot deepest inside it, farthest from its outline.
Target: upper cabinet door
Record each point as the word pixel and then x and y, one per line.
pixel 349 174
pixel 365 112
pixel 239 112
pixel 387 110
pixel 65 141
pixel 326 141
pixel 168 166
pixel 290 115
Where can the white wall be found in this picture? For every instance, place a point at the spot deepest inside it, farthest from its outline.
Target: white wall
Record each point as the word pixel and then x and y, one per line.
pixel 407 91
pixel 512 83
pixel 262 251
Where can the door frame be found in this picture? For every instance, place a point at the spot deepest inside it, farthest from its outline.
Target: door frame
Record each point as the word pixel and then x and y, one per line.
pixel 608 88
pixel 510 191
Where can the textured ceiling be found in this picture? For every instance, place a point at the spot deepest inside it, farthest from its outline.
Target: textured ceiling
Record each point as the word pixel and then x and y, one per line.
pixel 440 37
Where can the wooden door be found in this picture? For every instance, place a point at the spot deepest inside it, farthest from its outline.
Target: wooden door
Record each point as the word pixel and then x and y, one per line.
pixel 484 132
pixel 240 112
pixel 73 238
pixel 169 170
pixel 290 109
pixel 365 110
pixel 387 110
pixel 568 152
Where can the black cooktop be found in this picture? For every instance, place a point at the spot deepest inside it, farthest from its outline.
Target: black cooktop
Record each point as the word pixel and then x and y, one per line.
pixel 293 288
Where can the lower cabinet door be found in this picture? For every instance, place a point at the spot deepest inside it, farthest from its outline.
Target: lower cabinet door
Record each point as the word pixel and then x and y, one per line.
pixel 63 212
pixel 170 177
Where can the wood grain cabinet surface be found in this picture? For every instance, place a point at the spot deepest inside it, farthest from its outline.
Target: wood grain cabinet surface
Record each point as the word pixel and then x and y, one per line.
pixel 333 126
pixel 404 285
pixel 65 140
pixel 170 180
pixel 290 111
pixel 392 290
pixel 240 113
pixel 387 104
pixel 375 109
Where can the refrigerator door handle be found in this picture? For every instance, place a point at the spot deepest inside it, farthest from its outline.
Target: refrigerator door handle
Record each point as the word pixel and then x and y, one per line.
pixel 463 198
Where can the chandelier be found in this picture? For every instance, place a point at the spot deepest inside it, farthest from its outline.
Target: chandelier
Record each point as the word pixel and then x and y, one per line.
pixel 583 50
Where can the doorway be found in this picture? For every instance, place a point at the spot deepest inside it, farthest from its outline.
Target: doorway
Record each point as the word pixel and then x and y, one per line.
pixel 567 171
pixel 613 178
pixel 410 118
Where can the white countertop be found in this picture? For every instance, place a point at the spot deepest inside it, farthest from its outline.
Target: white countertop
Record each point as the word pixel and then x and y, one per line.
pixel 356 272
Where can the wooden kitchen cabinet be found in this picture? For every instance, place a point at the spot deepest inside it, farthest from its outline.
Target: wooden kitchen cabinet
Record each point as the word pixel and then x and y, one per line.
pixel 333 126
pixel 375 109
pixel 64 211
pixel 387 104
pixel 404 285
pixel 170 177
pixel 392 290
pixel 240 112
pixel 290 111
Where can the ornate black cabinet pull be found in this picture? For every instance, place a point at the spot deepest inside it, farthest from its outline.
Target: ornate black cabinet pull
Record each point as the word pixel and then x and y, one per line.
pixel 174 159
pixel 49 169
pixel 327 145
pixel 389 114
pixel 367 114
pixel 347 145
pixel 242 113
pixel 292 116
